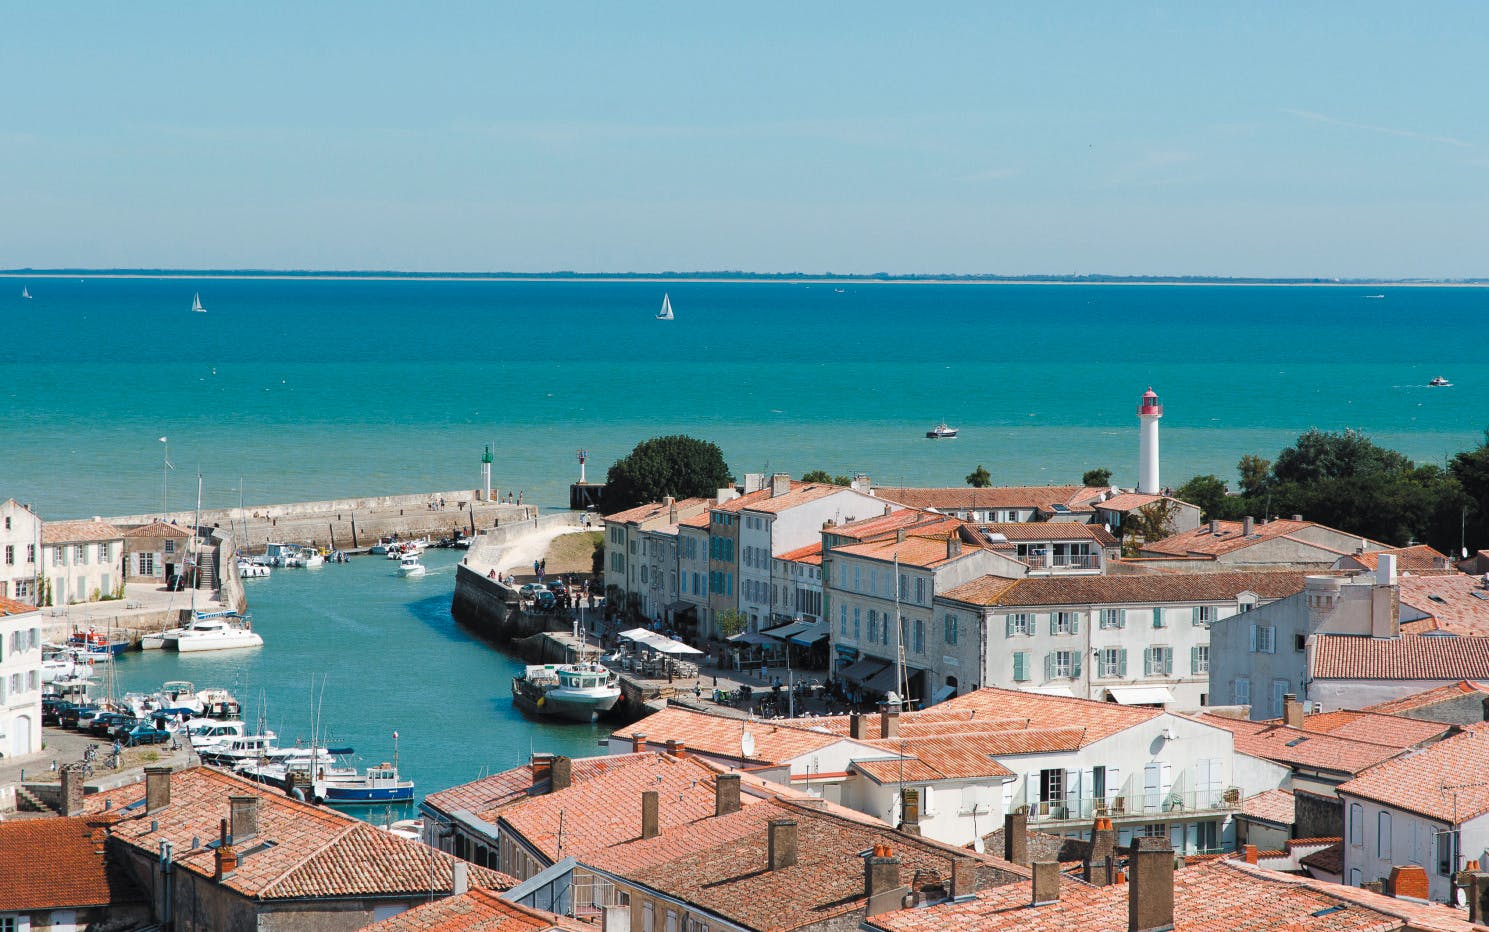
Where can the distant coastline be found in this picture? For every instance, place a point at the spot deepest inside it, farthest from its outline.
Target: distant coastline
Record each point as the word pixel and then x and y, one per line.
pixel 730 277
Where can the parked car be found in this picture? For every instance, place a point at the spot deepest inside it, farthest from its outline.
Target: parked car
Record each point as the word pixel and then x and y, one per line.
pixel 103 724
pixel 531 590
pixel 558 588
pixel 52 708
pixel 544 599
pixel 146 733
pixel 71 712
pixel 85 716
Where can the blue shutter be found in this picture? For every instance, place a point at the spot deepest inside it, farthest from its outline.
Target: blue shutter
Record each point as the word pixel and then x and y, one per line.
pixel 1075 665
pixel 1008 625
pixel 1054 625
pixel 1121 617
pixel 1049 665
pixel 1075 622
pixel 1194 659
pixel 1122 662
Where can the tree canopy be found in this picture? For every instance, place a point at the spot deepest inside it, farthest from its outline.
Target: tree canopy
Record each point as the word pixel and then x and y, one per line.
pixel 677 465
pixel 821 475
pixel 1097 478
pixel 979 478
pixel 1209 493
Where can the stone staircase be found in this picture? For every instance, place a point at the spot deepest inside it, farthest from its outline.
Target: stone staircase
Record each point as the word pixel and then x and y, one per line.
pixel 27 801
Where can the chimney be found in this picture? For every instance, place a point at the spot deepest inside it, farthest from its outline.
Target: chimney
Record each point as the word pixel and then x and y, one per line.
pixel 651 825
pixel 1150 889
pixel 1478 897
pixel 1297 517
pixel 1099 867
pixel 1385 570
pixel 1214 526
pixel 542 764
pixel 1408 882
pixel 1249 853
pixel 1046 882
pixel 726 794
pixel 1016 838
pixel 157 788
pixel 616 919
pixel 1374 886
pixel 856 728
pixel 889 722
pixel 780 484
pixel 953 546
pixel 676 748
pixel 72 791
pixel 671 509
pixel 459 877
pixel 781 844
pixel 899 535
pixel 1292 711
pixel 638 742
pixel 910 811
pixel 226 859
pixel 881 881
pixel 561 774
pixel 963 879
pixel 244 811
pixel 1247 523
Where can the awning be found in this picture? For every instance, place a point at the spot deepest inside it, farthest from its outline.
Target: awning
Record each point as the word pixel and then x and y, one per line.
pixel 635 634
pixel 860 670
pixel 657 642
pixel 784 632
pixel 750 637
pixel 681 607
pixel 811 633
pixel 1050 691
pixel 943 692
pixel 886 680
pixel 1141 695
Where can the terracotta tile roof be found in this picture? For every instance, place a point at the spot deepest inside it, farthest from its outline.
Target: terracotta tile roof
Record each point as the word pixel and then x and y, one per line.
pixel 1409 657
pixel 606 812
pixel 775 742
pixel 1201 541
pixel 317 852
pixel 965 755
pixel 1276 806
pixel 1417 559
pixel 1419 782
pixel 478 911
pixel 651 510
pixel 78 872
pixel 887 525
pixel 1098 719
pixel 731 879
pixel 503 789
pixel 800 494
pixel 78 532
pixel 1048 530
pixel 1296 748
pixel 1074 497
pixel 12 607
pixel 699 520
pixel 157 529
pixel 1116 590
pixel 1458 603
pixel 1330 860
pixel 1374 727
pixel 1211 896
pixel 748 499
pixel 811 553
pixel 922 552
pixel 1131 501
pixel 1429 697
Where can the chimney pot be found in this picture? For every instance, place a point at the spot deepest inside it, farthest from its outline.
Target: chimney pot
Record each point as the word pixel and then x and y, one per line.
pixel 1046 882
pixel 881 881
pixel 726 794
pixel 1016 838
pixel 953 546
pixel 1478 897
pixel 781 843
pixel 1250 853
pixel 157 788
pixel 650 814
pixel 1150 891
pixel 1247 524
pixel 245 816
pixel 1099 863
pixel 542 765
pixel 226 859
pixel 560 774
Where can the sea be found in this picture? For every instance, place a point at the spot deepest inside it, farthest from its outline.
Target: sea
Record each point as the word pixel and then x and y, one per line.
pixel 301 389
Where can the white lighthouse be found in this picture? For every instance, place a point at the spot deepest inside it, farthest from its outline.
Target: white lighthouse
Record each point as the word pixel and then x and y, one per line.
pixel 1149 410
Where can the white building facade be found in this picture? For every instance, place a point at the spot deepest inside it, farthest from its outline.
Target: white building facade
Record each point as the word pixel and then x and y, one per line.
pixel 20 546
pixel 20 679
pixel 82 561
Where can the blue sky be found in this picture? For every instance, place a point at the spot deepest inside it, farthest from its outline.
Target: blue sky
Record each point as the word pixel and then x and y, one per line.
pixel 1331 139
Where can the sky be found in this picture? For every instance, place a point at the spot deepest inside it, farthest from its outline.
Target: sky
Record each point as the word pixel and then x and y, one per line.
pixel 1326 139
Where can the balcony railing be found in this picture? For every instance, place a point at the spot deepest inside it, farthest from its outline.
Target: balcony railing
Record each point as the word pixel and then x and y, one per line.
pixel 1070 562
pixel 1143 805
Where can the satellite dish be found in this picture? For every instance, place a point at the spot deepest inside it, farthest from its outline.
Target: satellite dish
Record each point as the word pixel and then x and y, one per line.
pixel 746 744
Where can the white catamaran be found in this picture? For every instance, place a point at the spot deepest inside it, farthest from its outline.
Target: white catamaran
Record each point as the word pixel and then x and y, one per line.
pixel 666 312
pixel 196 303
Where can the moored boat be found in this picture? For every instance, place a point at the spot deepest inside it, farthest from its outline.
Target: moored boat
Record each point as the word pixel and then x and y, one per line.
pixel 247 570
pixel 212 634
pixel 97 643
pixel 410 566
pixel 580 692
pixel 941 432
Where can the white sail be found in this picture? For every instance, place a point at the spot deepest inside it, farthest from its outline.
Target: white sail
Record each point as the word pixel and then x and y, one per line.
pixel 26 292
pixel 196 303
pixel 666 312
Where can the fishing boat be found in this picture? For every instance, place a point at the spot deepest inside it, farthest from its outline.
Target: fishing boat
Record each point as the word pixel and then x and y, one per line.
pixel 1440 382
pixel 666 312
pixel 98 644
pixel 376 785
pixel 580 692
pixel 25 293
pixel 208 633
pixel 941 432
pixel 410 566
pixel 196 303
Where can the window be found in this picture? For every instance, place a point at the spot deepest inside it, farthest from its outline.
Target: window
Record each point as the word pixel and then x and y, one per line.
pixel 1065 623
pixel 10 555
pixel 1112 662
pixel 1199 659
pixel 1447 852
pixel 1052 786
pixel 951 629
pixel 30 553
pixel 1242 692
pixel 1020 624
pixel 1062 664
pixel 857 578
pixel 147 564
pixel 920 635
pixel 1021 666
pixel 857 631
pixel 648 917
pixel 1158 661
pixel 1204 615
pixel 1383 834
pixel 1300 642
pixel 1153 830
pixel 103 553
pixel 873 625
pixel 1356 824
pixel 79 553
pixel 842 621
pixel 1113 618
pixel 1263 639
pixel 904 588
pixel 1158 621
pixel 919 591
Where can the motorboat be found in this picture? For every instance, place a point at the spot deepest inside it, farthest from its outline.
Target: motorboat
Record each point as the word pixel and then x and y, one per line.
pixel 580 692
pixel 247 570
pixel 337 556
pixel 60 663
pixel 313 558
pixel 244 749
pixel 1440 382
pixel 178 698
pixel 400 550
pixel 410 566
pixel 411 829
pixel 212 634
pixel 941 432
pixel 209 733
pixel 276 764
pixel 98 644
pixel 381 547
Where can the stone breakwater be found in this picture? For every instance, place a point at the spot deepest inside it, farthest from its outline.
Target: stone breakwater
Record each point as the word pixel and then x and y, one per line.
pixel 352 523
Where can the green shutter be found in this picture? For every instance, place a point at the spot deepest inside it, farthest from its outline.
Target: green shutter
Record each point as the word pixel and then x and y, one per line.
pixel 1008 626
pixel 1122 662
pixel 1196 617
pixel 1049 665
pixel 1054 625
pixel 1020 666
pixel 1194 659
pixel 1121 617
pixel 1075 622
pixel 1075 665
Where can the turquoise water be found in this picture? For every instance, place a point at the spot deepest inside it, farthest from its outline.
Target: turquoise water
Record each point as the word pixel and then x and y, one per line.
pixel 385 656
pixel 320 389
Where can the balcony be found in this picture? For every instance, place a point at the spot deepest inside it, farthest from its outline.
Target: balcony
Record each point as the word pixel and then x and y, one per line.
pixel 1142 806
pixel 1041 562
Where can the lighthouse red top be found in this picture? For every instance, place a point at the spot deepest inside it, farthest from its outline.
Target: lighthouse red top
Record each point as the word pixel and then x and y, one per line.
pixel 1150 405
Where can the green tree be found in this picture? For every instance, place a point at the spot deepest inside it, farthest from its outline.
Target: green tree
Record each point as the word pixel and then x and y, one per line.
pixel 1323 455
pixel 1254 472
pixel 979 478
pixel 677 465
pixel 1153 521
pixel 730 623
pixel 1470 469
pixel 821 475
pixel 1098 478
pixel 1208 492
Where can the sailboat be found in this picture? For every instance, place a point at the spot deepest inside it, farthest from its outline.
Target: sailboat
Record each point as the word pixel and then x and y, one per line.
pixel 26 292
pixel 666 312
pixel 196 303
